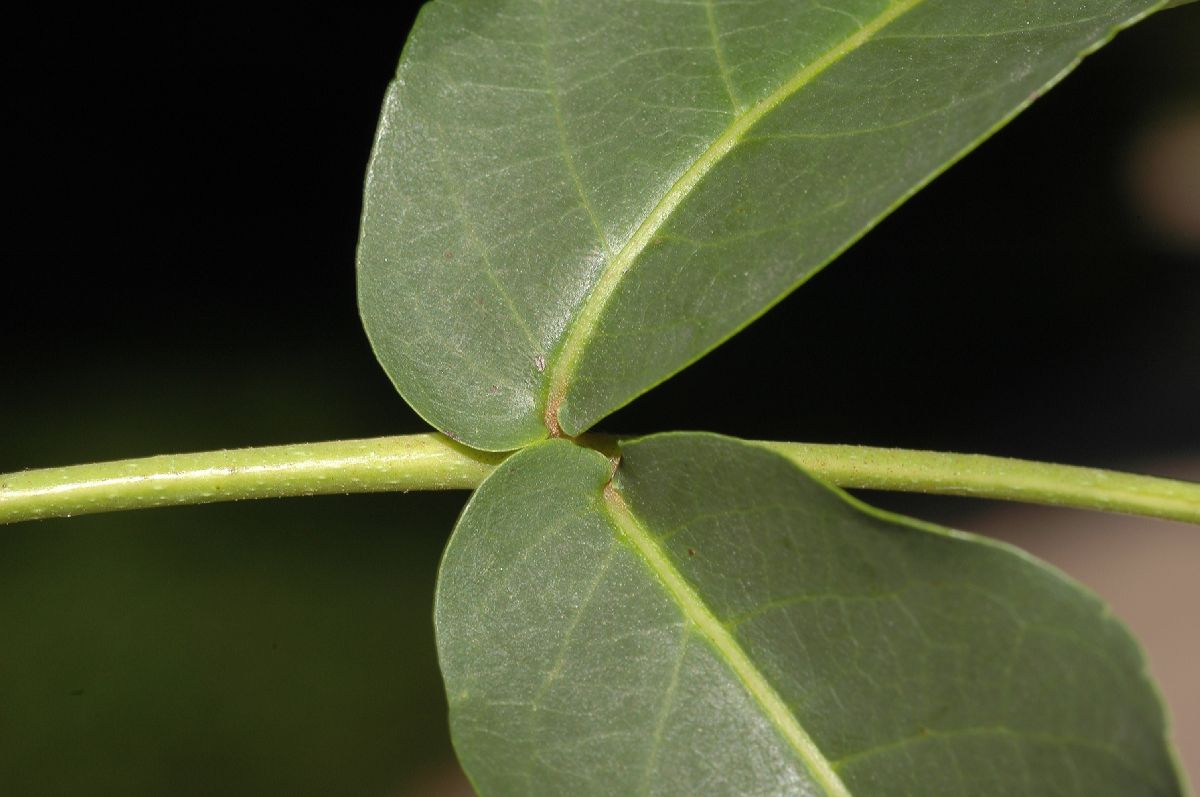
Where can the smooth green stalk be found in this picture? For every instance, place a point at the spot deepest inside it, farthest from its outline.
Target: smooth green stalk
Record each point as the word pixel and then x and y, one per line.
pixel 434 462
pixel 1000 478
pixel 411 462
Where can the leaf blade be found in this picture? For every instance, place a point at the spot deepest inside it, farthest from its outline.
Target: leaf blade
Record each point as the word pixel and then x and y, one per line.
pixel 569 202
pixel 573 665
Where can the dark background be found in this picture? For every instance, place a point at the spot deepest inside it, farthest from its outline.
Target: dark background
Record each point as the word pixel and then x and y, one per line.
pixel 184 190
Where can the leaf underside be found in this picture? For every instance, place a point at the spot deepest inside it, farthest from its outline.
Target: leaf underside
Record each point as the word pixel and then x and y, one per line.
pixel 570 201
pixel 714 621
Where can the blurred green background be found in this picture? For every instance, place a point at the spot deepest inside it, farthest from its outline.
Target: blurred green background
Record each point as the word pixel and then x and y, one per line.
pixel 179 276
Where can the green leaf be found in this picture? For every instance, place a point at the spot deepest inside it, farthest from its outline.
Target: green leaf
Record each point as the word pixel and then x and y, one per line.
pixel 715 621
pixel 570 201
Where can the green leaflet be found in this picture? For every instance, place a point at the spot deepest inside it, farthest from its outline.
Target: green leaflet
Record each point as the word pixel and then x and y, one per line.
pixel 569 201
pixel 718 622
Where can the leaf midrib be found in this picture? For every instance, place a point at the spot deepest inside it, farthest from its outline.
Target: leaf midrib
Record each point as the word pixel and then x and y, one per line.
pixel 697 612
pixel 561 368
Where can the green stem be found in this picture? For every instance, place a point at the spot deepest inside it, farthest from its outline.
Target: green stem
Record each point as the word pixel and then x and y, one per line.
pixel 412 462
pixel 1000 478
pixel 434 462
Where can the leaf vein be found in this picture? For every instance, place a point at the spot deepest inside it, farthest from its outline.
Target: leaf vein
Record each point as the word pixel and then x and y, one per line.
pixel 488 267
pixel 710 15
pixel 563 142
pixel 1036 737
pixel 665 708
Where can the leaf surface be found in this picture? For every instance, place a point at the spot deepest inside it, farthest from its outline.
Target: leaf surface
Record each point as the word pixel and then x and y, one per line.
pixel 714 621
pixel 569 201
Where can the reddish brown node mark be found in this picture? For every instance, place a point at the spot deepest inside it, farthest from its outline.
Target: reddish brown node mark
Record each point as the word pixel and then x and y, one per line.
pixel 449 255
pixel 551 418
pixel 691 551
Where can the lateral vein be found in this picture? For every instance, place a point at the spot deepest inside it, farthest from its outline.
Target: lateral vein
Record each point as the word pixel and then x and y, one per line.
pixel 563 143
pixel 710 15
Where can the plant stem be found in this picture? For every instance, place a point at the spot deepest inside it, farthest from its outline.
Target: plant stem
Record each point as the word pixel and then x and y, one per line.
pixel 1000 478
pixel 411 462
pixel 434 462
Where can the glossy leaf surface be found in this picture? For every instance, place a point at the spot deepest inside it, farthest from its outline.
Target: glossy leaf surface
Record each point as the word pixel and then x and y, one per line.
pixel 717 622
pixel 569 201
